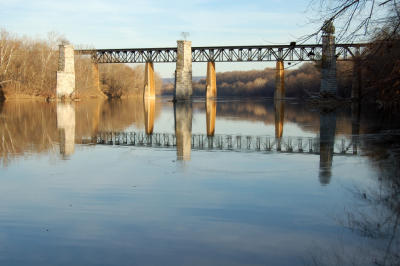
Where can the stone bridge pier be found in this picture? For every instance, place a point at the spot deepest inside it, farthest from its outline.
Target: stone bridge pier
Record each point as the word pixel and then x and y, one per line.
pixel 183 72
pixel 66 71
pixel 328 72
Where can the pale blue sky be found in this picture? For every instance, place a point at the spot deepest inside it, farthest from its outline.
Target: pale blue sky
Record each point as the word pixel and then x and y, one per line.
pixel 156 23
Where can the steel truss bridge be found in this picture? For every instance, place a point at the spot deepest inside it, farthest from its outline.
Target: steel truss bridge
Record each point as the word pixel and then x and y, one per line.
pixel 293 52
pixel 242 143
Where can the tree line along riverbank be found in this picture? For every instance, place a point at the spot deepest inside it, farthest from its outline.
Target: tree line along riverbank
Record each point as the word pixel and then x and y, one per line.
pixel 28 70
pixel 28 67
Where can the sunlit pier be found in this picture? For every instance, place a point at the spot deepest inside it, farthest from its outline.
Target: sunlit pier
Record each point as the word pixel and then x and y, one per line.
pixel 304 145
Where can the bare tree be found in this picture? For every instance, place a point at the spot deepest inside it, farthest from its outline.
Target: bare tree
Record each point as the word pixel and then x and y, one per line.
pixel 355 19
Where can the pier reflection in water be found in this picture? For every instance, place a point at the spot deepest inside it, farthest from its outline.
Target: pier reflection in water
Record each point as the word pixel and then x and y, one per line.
pixel 66 127
pixel 211 113
pixel 149 112
pixel 327 141
pixel 183 129
pixel 258 190
pixel 279 108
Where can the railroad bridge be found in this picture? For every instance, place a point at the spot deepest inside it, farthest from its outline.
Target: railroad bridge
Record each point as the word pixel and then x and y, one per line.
pixel 184 55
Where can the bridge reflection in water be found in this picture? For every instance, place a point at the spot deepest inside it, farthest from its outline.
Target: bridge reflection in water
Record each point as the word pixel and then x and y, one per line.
pixel 326 145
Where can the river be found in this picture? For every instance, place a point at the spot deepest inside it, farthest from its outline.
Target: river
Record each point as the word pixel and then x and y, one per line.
pixel 217 182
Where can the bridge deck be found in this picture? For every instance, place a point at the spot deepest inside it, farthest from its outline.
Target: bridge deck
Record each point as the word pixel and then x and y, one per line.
pixel 302 52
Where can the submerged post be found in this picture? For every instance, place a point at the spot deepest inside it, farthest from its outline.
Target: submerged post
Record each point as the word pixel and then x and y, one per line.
pixel 211 81
pixel 66 71
pixel 279 81
pixel 183 72
pixel 328 75
pixel 149 83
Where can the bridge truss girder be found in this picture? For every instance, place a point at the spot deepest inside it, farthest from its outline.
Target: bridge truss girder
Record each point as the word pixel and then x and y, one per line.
pixel 344 52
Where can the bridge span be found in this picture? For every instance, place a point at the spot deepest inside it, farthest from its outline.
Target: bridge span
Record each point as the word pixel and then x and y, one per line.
pixel 184 55
pixel 255 53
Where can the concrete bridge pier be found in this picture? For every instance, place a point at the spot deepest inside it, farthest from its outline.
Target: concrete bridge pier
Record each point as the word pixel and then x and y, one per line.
pixel 279 107
pixel 149 111
pixel 66 71
pixel 66 127
pixel 355 125
pixel 183 72
pixel 328 75
pixel 96 77
pixel 149 83
pixel 211 113
pixel 326 145
pixel 279 81
pixel 211 81
pixel 357 78
pixel 183 129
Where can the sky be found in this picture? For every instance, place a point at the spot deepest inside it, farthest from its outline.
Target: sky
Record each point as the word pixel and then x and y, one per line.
pixel 155 23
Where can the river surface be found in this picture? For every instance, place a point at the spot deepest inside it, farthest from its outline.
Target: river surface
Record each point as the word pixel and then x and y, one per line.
pixel 225 182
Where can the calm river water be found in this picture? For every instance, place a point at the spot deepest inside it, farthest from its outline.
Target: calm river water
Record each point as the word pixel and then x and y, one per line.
pixel 226 182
